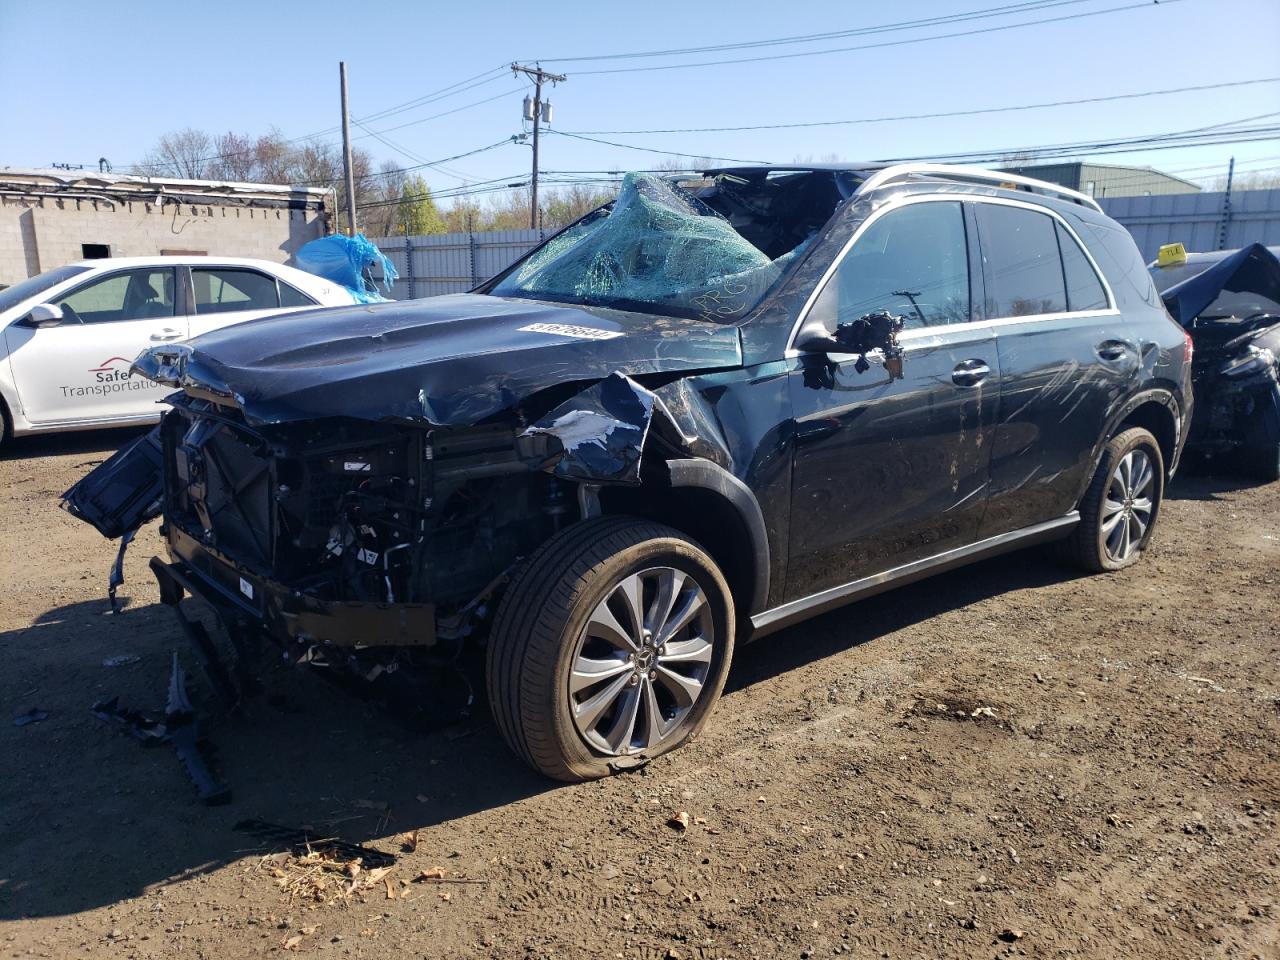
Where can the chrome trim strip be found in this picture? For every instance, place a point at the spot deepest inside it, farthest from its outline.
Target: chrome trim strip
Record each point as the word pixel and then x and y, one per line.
pixel 781 617
pixel 897 204
pixel 962 174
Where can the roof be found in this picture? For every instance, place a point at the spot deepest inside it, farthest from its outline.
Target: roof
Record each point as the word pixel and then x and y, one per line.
pixel 89 183
pixel 845 167
pixel 159 261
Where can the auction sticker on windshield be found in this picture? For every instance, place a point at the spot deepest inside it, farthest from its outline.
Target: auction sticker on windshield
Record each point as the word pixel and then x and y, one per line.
pixel 571 330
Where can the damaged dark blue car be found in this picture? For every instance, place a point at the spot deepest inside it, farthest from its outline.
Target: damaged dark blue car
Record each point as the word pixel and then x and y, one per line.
pixel 719 405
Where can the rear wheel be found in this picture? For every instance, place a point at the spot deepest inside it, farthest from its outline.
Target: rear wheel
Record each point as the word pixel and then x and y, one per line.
pixel 610 648
pixel 1118 512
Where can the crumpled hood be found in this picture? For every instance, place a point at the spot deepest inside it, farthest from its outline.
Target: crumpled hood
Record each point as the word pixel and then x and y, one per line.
pixel 449 360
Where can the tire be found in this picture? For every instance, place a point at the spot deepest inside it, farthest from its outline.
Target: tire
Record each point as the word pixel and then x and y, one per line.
pixel 1262 463
pixel 1260 455
pixel 572 725
pixel 1094 544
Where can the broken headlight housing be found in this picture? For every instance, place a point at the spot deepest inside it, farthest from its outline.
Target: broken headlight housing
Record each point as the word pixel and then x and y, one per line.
pixel 1252 360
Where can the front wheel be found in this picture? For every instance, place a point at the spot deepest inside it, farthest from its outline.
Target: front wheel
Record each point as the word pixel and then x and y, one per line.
pixel 1118 512
pixel 610 648
pixel 1260 454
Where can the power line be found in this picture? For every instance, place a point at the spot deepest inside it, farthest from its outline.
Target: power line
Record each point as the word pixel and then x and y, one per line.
pixel 937 116
pixel 880 45
pixel 426 163
pixel 669 153
pixel 987 12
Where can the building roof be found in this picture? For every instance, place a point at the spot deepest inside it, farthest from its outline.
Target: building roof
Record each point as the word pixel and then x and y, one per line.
pixel 117 186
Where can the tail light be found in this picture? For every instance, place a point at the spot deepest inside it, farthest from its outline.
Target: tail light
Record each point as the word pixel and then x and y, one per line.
pixel 1190 346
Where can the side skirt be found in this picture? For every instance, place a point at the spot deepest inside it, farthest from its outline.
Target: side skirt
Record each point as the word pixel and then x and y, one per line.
pixel 788 614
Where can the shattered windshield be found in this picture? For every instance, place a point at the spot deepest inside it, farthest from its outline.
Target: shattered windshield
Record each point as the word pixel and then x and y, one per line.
pixel 710 254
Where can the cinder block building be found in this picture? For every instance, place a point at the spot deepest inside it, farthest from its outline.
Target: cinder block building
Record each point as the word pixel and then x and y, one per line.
pixel 52 217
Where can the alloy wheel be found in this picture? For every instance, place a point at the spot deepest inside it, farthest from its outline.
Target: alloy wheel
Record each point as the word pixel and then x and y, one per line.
pixel 1127 507
pixel 641 662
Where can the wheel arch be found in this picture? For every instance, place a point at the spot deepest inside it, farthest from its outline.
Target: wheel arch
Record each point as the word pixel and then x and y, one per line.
pixel 705 501
pixel 1157 411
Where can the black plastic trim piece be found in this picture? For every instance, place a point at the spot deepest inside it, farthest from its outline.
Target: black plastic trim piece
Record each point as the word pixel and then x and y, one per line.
pixel 781 617
pixel 712 476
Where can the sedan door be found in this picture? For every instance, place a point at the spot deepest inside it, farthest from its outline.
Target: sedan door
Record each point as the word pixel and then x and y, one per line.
pixel 888 471
pixel 78 369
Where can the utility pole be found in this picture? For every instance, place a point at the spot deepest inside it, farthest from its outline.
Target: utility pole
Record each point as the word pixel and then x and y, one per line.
pixel 1225 222
pixel 348 172
pixel 538 111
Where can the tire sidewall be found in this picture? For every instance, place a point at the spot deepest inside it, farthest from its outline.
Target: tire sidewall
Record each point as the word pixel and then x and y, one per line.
pixel 1117 449
pixel 596 585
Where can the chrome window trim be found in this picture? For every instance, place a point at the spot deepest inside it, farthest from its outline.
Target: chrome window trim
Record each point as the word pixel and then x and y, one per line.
pixel 897 204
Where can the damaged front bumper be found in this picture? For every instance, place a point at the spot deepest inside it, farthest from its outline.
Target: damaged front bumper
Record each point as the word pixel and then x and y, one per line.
pixel 238 593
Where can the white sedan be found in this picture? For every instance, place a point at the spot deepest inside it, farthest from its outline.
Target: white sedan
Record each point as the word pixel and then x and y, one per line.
pixel 70 334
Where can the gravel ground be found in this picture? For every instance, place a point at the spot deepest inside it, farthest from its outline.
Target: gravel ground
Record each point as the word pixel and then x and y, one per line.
pixel 1005 760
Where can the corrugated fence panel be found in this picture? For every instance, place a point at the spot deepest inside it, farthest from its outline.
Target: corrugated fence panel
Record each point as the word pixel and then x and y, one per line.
pixel 452 262
pixel 456 262
pixel 1196 219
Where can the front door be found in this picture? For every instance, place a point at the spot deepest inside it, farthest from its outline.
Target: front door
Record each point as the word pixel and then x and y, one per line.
pixel 78 370
pixel 889 471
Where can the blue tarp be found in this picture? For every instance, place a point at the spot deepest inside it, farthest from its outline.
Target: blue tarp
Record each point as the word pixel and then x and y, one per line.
pixel 346 260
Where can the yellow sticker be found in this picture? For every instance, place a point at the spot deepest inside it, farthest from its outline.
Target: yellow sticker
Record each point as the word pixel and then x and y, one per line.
pixel 1171 254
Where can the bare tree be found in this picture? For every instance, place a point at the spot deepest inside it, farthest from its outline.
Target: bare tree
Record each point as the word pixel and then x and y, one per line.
pixel 184 153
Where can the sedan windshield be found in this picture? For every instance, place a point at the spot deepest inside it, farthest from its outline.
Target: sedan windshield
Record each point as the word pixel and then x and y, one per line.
pixel 710 253
pixel 34 286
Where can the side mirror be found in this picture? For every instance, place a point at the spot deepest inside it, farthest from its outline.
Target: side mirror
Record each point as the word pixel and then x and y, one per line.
pixel 44 315
pixel 872 331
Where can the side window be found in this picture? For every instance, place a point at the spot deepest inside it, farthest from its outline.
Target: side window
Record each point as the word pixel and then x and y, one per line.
pixel 224 290
pixel 129 295
pixel 292 297
pixel 1084 289
pixel 1023 267
pixel 912 262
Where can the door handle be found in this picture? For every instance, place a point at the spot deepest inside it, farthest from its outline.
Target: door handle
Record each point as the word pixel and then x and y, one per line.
pixel 970 373
pixel 1114 349
pixel 166 333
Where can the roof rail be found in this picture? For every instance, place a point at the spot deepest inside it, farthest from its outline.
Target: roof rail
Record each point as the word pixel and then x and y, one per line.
pixel 961 174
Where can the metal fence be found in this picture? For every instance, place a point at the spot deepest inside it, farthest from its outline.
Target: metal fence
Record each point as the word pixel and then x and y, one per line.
pixel 1200 221
pixel 455 262
pixel 452 262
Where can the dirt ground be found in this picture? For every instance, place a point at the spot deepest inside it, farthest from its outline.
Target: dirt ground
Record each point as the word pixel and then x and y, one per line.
pixel 1005 760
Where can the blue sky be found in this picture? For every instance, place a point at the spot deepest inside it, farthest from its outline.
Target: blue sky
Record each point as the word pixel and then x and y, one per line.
pixel 81 80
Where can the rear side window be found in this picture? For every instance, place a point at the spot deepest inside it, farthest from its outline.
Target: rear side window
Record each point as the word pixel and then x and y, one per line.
pixel 222 291
pixel 291 297
pixel 912 262
pixel 1084 289
pixel 1021 260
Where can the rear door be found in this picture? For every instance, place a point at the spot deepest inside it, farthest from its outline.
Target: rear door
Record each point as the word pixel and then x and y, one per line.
pixel 888 471
pixel 1064 356
pixel 79 369
pixel 222 296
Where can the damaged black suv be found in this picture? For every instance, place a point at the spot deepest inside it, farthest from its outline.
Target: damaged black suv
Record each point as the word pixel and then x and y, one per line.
pixel 717 406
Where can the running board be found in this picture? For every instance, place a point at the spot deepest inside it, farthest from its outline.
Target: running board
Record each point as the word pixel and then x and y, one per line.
pixel 788 614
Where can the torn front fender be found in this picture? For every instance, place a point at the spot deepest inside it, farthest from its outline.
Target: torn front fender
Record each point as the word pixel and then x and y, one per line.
pixel 601 432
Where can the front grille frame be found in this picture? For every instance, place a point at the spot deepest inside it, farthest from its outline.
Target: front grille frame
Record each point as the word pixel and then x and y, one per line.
pixel 273 517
